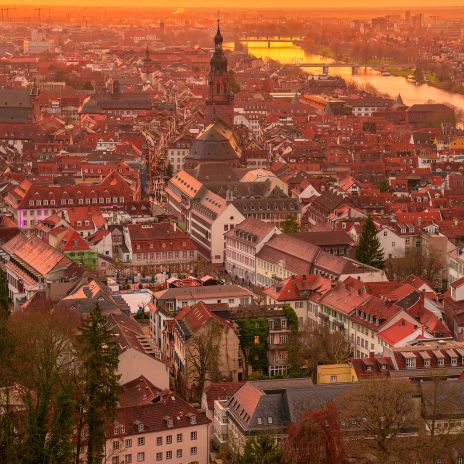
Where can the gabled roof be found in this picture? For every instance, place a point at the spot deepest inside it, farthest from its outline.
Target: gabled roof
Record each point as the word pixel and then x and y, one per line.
pixel 35 254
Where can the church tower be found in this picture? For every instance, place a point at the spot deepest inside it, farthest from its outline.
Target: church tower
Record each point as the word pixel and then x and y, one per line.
pixel 220 97
pixel 146 73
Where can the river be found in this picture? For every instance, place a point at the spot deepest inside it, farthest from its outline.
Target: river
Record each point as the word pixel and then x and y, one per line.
pixel 289 53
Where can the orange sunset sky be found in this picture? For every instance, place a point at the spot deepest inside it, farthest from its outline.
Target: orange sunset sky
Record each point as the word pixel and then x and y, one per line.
pixel 243 3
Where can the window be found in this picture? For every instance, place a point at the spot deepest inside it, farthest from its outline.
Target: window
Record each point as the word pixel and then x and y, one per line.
pixel 168 454
pixel 140 428
pixel 159 456
pixel 115 460
pixel 140 457
pixel 410 362
pixel 193 435
pixel 193 450
pixel 179 437
pixel 128 458
pixel 333 378
pixel 454 361
pixel 269 420
pixel 128 442
pixel 426 362
pixel 441 361
pixel 159 441
pixel 140 441
pixel 179 453
pixel 116 444
pixel 259 420
pixel 168 439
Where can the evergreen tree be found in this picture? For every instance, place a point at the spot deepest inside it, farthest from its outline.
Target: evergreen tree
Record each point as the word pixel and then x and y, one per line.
pixel 169 171
pixel 384 185
pixel 290 224
pixel 369 250
pixel 262 449
pixel 99 356
pixel 59 446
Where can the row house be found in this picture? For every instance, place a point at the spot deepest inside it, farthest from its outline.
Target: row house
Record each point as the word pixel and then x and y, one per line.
pixel 243 242
pixel 367 321
pixel 288 254
pixel 303 293
pixel 161 245
pixel 31 203
pixel 177 150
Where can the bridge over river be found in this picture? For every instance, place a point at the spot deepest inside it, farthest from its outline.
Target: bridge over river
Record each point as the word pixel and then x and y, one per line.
pixel 354 66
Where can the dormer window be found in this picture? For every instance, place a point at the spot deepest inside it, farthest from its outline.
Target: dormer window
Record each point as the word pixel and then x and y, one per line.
pixel 441 361
pixel 454 361
pixel 259 420
pixel 426 362
pixel 140 427
pixel 193 419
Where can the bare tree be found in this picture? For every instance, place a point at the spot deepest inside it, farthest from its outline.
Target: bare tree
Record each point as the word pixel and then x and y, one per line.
pixel 441 402
pixel 374 414
pixel 315 346
pixel 202 357
pixel 424 262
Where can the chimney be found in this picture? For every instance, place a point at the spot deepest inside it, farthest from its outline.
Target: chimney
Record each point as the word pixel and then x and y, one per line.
pixel 115 88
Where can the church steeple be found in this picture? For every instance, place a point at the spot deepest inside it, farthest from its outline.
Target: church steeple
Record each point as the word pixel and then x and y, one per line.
pixel 218 38
pixel 220 96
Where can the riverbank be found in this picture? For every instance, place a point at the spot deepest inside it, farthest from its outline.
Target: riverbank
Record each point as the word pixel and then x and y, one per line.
pixel 430 78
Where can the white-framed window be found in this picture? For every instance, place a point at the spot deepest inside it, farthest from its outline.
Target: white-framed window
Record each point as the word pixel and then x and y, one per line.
pixel 410 362
pixel 140 441
pixel 168 454
pixel 179 453
pixel 193 435
pixel 140 457
pixel 159 456
pixel 333 378
pixel 168 439
pixel 128 458
pixel 179 438
pixel 193 450
pixel 115 444
pixel 128 442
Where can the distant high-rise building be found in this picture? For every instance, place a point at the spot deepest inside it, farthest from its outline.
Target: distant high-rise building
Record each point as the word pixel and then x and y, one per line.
pixel 220 97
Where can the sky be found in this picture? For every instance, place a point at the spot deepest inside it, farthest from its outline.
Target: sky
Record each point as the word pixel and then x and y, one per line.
pixel 244 3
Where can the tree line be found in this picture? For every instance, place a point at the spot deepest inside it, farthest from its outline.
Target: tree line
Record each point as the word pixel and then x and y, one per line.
pixel 58 387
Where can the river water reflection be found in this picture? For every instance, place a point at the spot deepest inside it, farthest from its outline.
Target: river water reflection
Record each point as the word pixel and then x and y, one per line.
pixel 289 53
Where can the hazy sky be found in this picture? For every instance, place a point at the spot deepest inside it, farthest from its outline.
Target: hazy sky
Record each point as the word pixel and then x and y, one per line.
pixel 244 3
